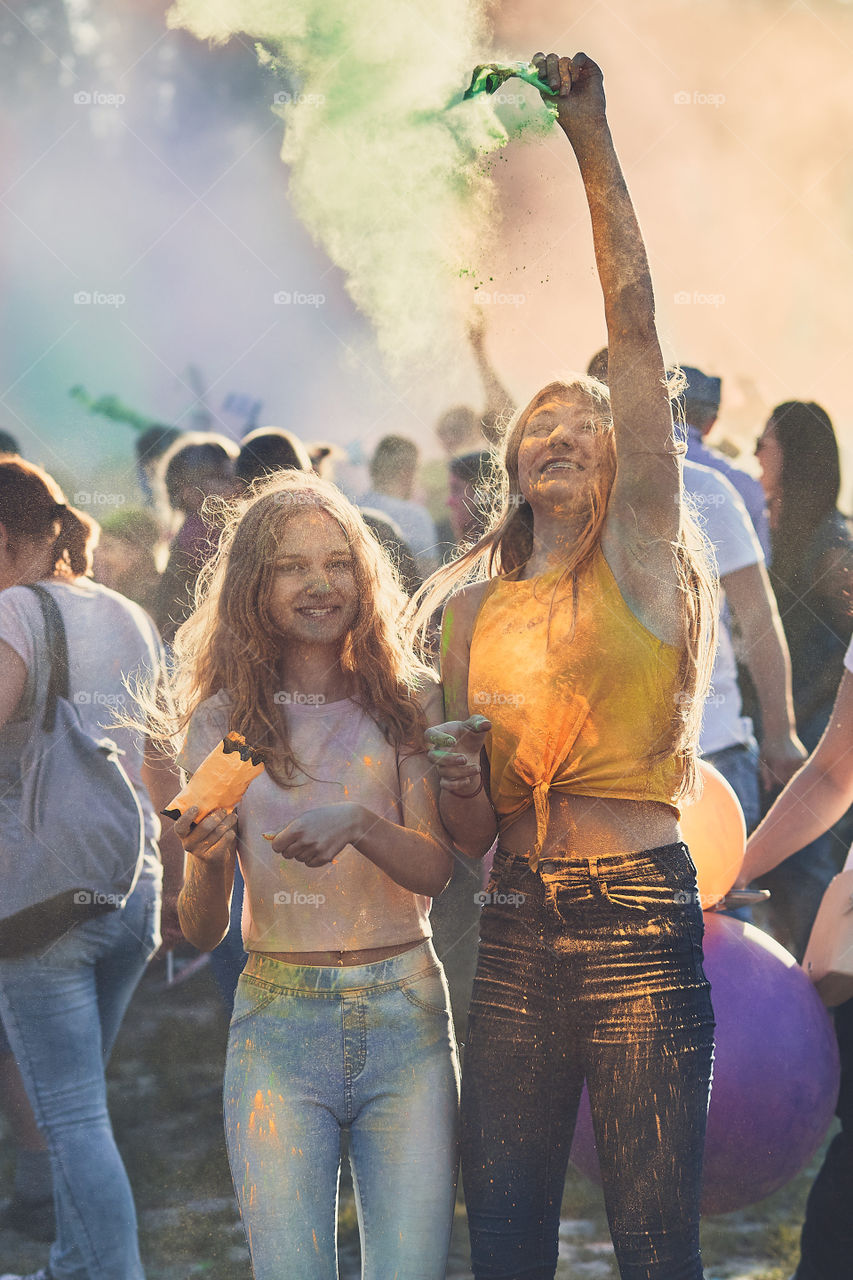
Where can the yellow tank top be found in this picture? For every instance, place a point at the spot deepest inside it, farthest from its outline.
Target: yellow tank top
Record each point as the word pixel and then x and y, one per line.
pixel 580 694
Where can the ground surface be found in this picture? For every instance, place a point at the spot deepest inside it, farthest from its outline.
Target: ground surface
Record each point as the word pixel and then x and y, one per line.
pixel 165 1081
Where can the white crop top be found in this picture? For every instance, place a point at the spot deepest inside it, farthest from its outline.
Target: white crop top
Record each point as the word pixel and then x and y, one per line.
pixel 350 904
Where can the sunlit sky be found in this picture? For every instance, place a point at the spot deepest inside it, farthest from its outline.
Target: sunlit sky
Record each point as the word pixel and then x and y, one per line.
pixel 733 119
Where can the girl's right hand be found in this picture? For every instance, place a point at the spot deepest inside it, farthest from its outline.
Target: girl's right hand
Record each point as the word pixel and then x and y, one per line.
pixel 213 840
pixel 579 86
pixel 455 751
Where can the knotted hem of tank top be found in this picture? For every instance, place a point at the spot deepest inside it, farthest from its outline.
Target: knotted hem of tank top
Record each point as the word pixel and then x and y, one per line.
pixel 542 809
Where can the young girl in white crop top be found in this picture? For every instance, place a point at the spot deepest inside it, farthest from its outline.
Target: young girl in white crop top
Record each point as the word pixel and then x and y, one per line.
pixel 341 1019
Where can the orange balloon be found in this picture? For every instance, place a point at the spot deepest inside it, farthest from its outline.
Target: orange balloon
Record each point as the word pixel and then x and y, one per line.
pixel 714 831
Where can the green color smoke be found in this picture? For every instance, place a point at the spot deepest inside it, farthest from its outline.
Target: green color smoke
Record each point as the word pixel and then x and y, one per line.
pixel 389 166
pixel 111 407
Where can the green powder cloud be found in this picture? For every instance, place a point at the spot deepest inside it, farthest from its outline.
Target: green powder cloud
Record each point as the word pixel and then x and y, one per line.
pixel 389 167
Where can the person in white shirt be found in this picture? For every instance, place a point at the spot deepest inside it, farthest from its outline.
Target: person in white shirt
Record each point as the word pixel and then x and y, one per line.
pixel 727 740
pixel 392 477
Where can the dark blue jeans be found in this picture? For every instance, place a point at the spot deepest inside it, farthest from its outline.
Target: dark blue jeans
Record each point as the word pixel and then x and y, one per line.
pixel 826 1244
pixel 588 969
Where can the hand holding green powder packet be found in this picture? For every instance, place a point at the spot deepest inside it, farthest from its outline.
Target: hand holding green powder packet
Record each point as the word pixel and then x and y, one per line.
pixel 489 77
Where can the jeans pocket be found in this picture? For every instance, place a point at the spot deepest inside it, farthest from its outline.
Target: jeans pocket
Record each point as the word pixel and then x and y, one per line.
pixel 251 997
pixel 659 881
pixel 427 991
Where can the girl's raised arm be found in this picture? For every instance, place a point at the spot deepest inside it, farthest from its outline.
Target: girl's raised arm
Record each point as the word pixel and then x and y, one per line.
pixel 646 493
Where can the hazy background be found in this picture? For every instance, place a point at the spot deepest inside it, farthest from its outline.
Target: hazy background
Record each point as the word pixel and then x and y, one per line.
pixel 141 167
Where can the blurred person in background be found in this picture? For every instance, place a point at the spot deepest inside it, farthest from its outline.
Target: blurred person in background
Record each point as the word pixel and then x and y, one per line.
pixel 466 496
pixel 726 740
pixel 269 449
pixel 817 798
pixel 811 571
pixel 390 537
pixel 8 443
pixel 197 466
pixel 393 468
pixel 125 559
pixel 324 455
pixel 456 914
pixel 461 430
pixel 150 447
pixel 700 407
pixel 62 1007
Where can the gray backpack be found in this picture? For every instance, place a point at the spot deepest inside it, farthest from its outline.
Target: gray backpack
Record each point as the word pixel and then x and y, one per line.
pixel 71 839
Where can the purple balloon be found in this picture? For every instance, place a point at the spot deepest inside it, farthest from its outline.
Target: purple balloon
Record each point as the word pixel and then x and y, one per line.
pixel 776 1070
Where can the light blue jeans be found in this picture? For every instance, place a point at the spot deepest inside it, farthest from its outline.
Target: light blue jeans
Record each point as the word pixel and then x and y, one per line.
pixel 62 1010
pixel 312 1051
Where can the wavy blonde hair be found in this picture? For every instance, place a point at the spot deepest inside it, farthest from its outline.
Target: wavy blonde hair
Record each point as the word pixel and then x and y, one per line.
pixel 230 642
pixel 507 545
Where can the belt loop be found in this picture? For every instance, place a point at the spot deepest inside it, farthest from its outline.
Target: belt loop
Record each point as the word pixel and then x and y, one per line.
pixel 509 863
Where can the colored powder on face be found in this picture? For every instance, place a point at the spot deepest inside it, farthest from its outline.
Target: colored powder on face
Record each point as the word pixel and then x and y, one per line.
pixel 389 165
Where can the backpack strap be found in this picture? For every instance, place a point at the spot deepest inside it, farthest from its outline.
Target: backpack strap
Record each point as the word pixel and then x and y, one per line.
pixel 57 649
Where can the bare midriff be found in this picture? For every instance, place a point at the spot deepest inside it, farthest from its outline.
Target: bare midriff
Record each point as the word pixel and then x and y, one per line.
pixel 344 959
pixel 591 826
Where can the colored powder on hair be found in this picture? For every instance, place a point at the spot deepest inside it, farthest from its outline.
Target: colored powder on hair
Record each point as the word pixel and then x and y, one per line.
pixel 389 164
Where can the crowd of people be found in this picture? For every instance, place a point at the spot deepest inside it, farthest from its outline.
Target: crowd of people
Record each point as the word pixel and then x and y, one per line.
pixel 553 710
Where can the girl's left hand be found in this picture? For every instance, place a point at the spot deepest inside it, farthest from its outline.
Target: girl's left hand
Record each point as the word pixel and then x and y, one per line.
pixel 318 836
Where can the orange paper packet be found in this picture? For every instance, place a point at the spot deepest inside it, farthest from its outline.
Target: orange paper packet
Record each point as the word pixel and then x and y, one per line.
pixel 221 779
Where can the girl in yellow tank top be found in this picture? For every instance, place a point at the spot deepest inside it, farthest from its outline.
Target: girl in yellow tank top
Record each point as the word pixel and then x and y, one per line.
pixel 575 658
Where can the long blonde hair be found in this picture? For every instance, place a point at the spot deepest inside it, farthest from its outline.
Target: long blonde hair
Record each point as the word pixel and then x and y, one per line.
pixel 507 545
pixel 230 642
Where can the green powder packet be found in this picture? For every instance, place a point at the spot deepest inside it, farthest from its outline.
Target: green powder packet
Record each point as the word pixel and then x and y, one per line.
pixel 489 77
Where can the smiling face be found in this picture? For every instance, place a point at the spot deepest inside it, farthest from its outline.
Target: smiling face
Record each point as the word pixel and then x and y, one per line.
pixel 560 455
pixel 314 597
